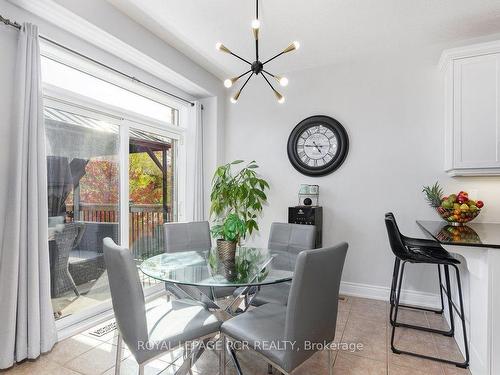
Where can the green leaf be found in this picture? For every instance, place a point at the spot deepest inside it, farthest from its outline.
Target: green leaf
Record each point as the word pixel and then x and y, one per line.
pixel 260 194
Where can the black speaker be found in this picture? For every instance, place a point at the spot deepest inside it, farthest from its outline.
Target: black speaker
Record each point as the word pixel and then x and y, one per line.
pixel 308 215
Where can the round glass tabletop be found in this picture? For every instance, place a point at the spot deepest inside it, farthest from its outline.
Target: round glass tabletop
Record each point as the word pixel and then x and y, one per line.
pixel 251 267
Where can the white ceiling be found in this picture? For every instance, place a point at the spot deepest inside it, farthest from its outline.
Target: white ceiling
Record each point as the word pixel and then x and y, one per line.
pixel 329 31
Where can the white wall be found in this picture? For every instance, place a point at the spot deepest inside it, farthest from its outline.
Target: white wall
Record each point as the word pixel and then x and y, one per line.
pixel 392 108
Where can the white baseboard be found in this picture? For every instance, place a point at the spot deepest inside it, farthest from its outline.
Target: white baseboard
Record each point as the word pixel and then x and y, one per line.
pixel 408 297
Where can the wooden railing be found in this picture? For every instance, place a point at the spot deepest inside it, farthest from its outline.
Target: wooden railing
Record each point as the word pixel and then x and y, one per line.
pixel 146 229
pixel 145 224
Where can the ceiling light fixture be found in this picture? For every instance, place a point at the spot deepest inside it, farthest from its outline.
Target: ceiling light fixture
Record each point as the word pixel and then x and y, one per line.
pixel 257 67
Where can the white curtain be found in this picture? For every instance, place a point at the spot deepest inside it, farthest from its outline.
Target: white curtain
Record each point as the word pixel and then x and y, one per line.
pixel 198 190
pixel 27 326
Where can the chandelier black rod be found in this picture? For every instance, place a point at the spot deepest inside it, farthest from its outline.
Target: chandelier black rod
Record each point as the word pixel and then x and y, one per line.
pixel 269 73
pixel 239 57
pixel 248 79
pixel 241 75
pixel 269 83
pixel 257 35
pixel 256 49
pixel 272 58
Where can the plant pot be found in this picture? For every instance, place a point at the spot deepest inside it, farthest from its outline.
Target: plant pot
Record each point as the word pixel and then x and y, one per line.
pixel 228 270
pixel 226 250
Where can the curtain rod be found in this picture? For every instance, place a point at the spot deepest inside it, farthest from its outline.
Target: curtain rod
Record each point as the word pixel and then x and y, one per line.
pixel 17 26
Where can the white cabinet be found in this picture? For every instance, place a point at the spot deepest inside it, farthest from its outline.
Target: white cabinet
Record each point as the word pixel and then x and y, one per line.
pixel 472 104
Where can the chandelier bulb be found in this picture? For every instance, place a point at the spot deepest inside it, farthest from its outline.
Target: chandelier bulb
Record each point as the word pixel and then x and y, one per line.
pixel 221 47
pixel 255 24
pixel 292 47
pixel 235 97
pixel 283 81
pixel 228 83
pixel 281 98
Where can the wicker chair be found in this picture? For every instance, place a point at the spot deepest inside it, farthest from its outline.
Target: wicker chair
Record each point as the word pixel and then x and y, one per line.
pixel 64 241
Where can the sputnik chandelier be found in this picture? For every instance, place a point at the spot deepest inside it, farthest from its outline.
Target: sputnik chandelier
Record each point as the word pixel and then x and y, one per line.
pixel 257 67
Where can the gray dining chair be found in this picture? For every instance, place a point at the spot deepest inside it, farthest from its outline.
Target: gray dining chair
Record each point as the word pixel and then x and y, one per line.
pixel 290 238
pixel 309 318
pixel 191 236
pixel 151 332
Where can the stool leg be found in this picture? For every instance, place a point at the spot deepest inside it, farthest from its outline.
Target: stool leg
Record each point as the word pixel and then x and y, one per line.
pixel 394 282
pixel 395 273
pixel 440 290
pixel 396 308
pixel 450 303
pixel 392 318
pixel 464 364
pixel 462 317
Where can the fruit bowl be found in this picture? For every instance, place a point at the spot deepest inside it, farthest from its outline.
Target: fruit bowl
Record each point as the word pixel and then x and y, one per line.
pixel 456 209
pixel 457 217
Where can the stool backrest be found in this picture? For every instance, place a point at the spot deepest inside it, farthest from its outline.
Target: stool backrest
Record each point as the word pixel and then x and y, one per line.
pixel 397 245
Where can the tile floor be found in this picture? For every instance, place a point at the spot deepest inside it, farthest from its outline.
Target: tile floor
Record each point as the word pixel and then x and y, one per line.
pixel 359 321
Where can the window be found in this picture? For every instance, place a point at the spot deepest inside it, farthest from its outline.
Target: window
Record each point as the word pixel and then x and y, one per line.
pixel 71 79
pixel 113 161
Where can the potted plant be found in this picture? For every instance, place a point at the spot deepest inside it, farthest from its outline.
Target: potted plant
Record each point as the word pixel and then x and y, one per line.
pixel 236 200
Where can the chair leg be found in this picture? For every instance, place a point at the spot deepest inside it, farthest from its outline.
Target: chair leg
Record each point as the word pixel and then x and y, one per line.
pixel 222 360
pixel 119 354
pixel 448 295
pixel 396 308
pixel 392 319
pixel 72 283
pixel 465 364
pixel 440 291
pixel 392 297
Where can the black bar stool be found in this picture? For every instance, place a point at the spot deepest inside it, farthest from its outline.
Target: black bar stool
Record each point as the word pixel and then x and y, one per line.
pixel 413 250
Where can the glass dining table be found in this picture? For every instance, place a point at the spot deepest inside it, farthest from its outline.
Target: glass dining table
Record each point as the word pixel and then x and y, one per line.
pixel 250 269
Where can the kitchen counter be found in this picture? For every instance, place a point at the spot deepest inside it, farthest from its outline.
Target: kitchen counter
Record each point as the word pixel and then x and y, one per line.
pixel 477 247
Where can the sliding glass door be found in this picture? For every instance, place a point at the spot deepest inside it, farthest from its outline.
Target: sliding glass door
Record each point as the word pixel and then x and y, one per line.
pixel 83 196
pixel 107 177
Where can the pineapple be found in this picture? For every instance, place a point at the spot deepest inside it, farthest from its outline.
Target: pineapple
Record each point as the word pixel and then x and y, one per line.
pixel 433 194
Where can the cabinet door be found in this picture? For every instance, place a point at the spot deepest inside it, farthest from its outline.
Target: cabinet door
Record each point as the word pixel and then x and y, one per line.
pixel 476 112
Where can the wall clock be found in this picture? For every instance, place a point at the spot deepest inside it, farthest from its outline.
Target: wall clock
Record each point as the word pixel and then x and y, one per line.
pixel 318 145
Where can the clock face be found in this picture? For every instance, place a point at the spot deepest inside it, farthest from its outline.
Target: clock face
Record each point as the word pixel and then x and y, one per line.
pixel 318 145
